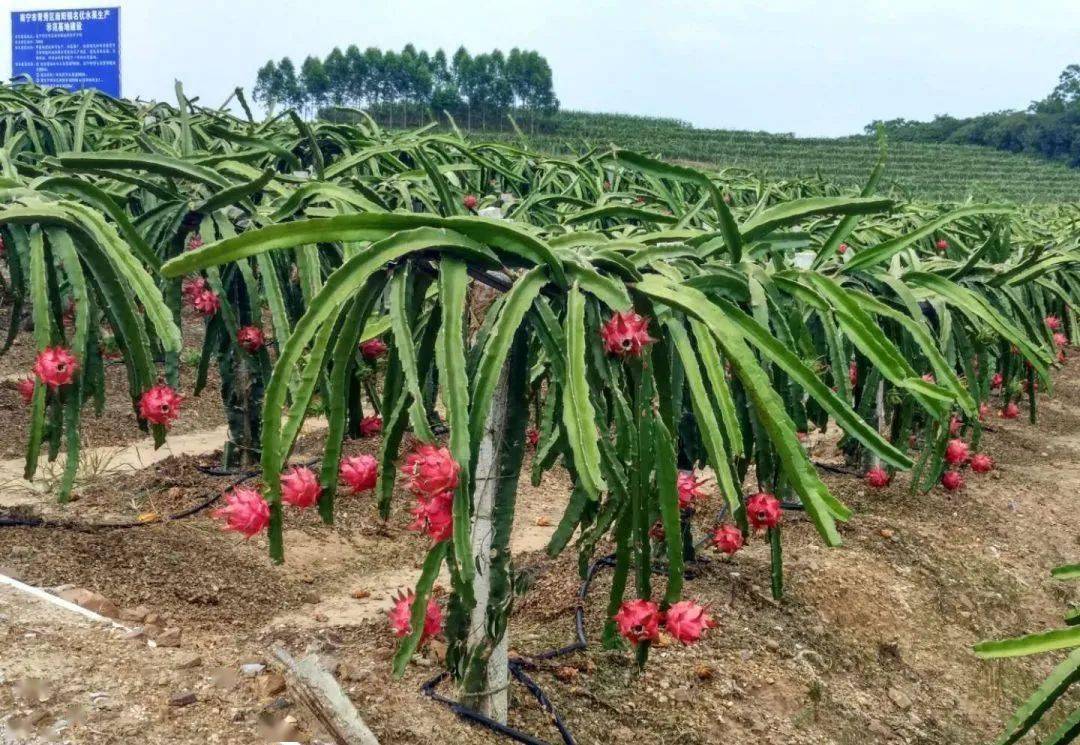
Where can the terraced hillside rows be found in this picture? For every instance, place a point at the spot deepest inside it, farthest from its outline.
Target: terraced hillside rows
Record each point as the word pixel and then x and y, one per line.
pixel 916 170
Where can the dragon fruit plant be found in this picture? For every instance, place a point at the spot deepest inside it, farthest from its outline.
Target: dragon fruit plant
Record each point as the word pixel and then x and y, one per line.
pixel 1058 684
pixel 665 335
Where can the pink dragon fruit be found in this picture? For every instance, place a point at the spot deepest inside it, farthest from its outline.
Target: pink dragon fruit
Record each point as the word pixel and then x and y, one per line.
pixel 1010 411
pixel 430 470
pixel 982 463
pixel 1053 323
pixel 194 242
pixel 956 452
pixel 638 621
pixel 727 539
pixel 370 426
pixel 160 405
pixel 300 487
pixel 626 333
pixel 996 380
pixel 434 515
pixel 687 621
pixel 373 349
pixel 763 510
pixel 245 512
pixel 26 389
pixel 251 338
pixel 207 303
pixel 359 473
pixel 470 201
pixel 952 480
pixel 877 478
pixel 55 366
pixel 401 617
pixel 689 489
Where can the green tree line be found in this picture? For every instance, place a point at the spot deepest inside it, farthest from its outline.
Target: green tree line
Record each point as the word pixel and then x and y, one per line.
pixel 1049 128
pixel 411 86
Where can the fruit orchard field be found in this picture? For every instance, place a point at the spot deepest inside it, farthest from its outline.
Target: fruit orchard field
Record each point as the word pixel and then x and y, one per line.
pixel 476 350
pixel 826 666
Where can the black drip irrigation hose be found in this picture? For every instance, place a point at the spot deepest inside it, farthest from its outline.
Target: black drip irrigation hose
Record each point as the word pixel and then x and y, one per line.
pixel 517 668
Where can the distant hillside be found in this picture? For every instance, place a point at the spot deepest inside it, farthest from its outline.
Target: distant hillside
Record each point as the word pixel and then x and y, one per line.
pixel 928 170
pixel 1049 128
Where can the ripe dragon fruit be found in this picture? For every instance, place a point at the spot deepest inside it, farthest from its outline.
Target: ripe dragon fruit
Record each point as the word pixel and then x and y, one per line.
pixel 55 366
pixel 984 410
pixel 430 470
pixel 300 487
pixel 250 338
pixel 373 349
pixel 956 452
pixel 401 616
pixel 434 515
pixel 638 621
pixel 841 249
pixel 1060 339
pixel 207 303
pixel 245 511
pixel 470 201
pixel 727 539
pixel 359 473
pixel 996 380
pixel 952 480
pixel 877 478
pixel 763 510
pixel 1053 323
pixel 26 389
pixel 687 621
pixel 626 333
pixel 853 373
pixel 370 426
pixel 193 287
pixel 532 437
pixel 1011 411
pixel 929 378
pixel 955 425
pixel 942 244
pixel 982 463
pixel 689 489
pixel 194 242
pixel 160 405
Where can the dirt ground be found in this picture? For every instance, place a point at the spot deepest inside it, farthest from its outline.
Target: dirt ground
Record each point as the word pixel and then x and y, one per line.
pixel 870 645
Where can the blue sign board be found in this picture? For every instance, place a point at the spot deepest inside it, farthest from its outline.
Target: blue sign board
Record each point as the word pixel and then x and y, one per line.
pixel 70 49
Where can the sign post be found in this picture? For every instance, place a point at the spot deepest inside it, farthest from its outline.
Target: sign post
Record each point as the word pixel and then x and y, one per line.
pixel 71 49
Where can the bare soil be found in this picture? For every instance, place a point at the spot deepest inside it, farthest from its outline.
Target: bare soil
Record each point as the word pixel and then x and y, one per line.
pixel 871 643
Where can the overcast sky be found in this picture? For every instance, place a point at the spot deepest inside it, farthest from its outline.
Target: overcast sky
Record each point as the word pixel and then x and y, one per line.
pixel 813 68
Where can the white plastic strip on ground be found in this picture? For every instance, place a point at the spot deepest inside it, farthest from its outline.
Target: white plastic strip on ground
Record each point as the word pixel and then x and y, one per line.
pixel 48 597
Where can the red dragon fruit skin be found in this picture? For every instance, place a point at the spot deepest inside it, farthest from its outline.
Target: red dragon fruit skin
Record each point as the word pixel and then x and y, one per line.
pixel 245 512
pixel 400 616
pixel 763 510
pixel 687 621
pixel 359 473
pixel 300 487
pixel 638 620
pixel 160 405
pixel 55 366
pixel 626 334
